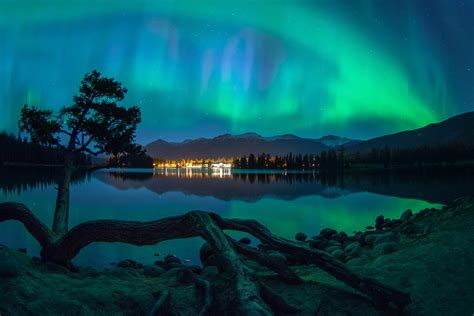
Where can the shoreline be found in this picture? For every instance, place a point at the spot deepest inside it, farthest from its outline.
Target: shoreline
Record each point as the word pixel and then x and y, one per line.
pixel 377 252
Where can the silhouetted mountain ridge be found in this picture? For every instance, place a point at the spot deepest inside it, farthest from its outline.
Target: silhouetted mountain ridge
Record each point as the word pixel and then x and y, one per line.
pixel 228 145
pixel 457 129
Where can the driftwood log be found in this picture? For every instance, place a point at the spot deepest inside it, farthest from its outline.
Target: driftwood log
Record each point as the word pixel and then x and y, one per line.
pixel 243 293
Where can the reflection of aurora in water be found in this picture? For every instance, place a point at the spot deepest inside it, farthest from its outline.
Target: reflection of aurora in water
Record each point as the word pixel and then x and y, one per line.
pixel 133 196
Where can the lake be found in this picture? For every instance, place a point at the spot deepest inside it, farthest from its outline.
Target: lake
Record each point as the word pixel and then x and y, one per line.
pixel 286 202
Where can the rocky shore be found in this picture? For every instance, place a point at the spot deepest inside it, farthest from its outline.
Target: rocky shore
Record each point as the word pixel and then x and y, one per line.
pixel 428 253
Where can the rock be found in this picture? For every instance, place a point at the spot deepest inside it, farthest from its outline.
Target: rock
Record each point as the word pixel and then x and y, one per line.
pixel 161 264
pixel 186 276
pixel 333 242
pixel 172 259
pixel 276 254
pixel 301 236
pixel 341 236
pixel 384 238
pixel 328 232
pixel 210 272
pixel 195 269
pixel 355 251
pixel 330 249
pixel 338 253
pixel 24 250
pixel 385 248
pixel 171 275
pixel 205 253
pixel 127 263
pixel 317 237
pixel 263 247
pixel 153 271
pixel 351 246
pixel 174 265
pixel 406 215
pixel 9 268
pixel 369 227
pixel 319 244
pixel 379 220
pixel 89 272
pixel 369 239
pixel 245 241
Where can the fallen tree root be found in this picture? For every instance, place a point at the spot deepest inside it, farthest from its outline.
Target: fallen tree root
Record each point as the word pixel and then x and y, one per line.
pixel 204 287
pixel 162 305
pixel 243 292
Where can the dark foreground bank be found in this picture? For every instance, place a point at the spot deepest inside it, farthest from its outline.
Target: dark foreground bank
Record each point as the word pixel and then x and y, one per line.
pixel 429 254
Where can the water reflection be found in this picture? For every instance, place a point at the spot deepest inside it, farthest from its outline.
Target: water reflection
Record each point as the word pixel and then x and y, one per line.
pixel 438 186
pixel 285 202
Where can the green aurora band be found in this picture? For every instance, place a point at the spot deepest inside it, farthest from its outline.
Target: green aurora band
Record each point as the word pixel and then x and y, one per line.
pixel 274 67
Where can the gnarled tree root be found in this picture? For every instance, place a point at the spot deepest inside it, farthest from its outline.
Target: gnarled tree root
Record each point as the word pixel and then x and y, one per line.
pixel 244 292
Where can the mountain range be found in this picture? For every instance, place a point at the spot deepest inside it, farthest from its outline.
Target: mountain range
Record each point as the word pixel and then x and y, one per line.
pixel 459 128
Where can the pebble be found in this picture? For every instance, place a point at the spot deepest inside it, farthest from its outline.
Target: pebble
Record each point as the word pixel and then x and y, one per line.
pixel 384 238
pixel 385 248
pixel 406 215
pixel 301 236
pixel 153 271
pixel 9 268
pixel 379 220
pixel 172 259
pixel 328 232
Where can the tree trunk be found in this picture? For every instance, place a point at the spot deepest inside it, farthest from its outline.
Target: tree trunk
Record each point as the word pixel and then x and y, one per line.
pixel 61 212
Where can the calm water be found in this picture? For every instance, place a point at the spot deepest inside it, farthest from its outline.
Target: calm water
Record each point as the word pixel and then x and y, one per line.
pixel 286 203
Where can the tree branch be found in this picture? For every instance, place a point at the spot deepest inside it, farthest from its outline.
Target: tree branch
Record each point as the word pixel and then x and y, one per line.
pixel 19 212
pixel 382 294
pixel 208 226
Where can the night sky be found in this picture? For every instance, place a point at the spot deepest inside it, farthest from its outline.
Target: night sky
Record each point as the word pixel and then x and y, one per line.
pixel 203 68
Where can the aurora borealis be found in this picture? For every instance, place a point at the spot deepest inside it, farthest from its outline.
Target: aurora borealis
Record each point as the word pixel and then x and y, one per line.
pixel 202 68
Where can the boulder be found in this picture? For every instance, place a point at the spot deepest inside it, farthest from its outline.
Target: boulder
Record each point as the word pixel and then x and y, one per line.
pixel 356 251
pixel 385 248
pixel 205 253
pixel 384 238
pixel 379 221
pixel 327 232
pixel 89 272
pixel 245 241
pixel 340 237
pixel 338 253
pixel 317 237
pixel 319 244
pixel 172 259
pixel 333 242
pixel 351 246
pixel 406 215
pixel 186 276
pixel 210 272
pixel 9 268
pixel 171 275
pixel 276 254
pixel 369 239
pixel 330 249
pixel 301 236
pixel 161 264
pixel 153 271
pixel 127 263
pixel 195 269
